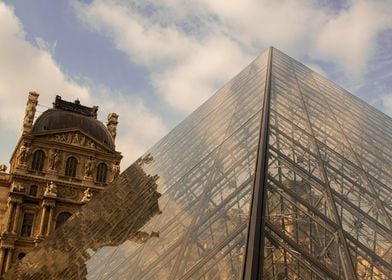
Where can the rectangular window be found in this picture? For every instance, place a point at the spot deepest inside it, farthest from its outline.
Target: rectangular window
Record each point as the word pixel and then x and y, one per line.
pixel 27 225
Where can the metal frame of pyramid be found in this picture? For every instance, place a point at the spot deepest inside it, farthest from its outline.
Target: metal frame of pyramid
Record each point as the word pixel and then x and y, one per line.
pixel 280 175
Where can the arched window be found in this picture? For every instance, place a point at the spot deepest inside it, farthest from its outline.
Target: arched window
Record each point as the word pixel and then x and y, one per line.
pixel 70 167
pixel 33 190
pixel 101 172
pixel 38 160
pixel 27 225
pixel 62 217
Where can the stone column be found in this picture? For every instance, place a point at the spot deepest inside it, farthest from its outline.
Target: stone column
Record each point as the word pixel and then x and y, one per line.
pixel 8 261
pixel 10 214
pixel 42 223
pixel 16 217
pixel 2 253
pixel 50 218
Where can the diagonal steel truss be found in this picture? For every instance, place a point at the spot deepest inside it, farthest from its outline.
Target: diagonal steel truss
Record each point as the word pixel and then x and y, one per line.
pixel 323 202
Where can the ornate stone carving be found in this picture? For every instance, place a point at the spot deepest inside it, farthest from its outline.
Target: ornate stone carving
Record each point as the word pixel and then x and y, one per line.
pixel 87 195
pixel 31 105
pixel 17 188
pixel 89 167
pixel 145 160
pixel 51 189
pixel 69 192
pixel 3 168
pixel 75 139
pixel 54 159
pixel 116 169
pixel 112 124
pixel 23 153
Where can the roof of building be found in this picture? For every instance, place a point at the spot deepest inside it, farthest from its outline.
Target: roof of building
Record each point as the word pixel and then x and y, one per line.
pixel 68 115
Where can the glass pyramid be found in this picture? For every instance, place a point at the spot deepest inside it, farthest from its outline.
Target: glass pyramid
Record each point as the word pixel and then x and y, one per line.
pixel 280 175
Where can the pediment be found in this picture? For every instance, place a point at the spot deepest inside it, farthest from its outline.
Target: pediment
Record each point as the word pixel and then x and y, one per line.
pixel 74 137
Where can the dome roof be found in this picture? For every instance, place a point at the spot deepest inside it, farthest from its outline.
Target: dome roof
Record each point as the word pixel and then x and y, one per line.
pixel 54 119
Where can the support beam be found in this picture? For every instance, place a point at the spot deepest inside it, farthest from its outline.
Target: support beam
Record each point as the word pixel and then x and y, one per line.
pixel 254 254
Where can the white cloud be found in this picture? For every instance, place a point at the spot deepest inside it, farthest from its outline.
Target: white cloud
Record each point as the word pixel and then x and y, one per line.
pixel 177 40
pixel 138 128
pixel 25 67
pixel 185 71
pixel 349 38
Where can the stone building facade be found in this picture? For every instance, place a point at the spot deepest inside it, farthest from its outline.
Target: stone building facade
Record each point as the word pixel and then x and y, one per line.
pixel 60 162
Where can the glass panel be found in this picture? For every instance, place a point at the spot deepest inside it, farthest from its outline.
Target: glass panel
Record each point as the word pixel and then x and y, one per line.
pixel 180 211
pixel 329 189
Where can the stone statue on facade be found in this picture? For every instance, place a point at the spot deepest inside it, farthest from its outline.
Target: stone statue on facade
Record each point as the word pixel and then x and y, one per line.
pixel 23 153
pixel 89 167
pixel 87 195
pixel 116 170
pixel 54 159
pixel 75 139
pixel 112 124
pixel 51 189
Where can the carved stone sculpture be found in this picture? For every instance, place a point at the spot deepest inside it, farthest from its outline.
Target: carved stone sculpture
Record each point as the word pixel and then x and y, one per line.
pixel 75 139
pixel 51 189
pixel 17 188
pixel 31 105
pixel 116 170
pixel 89 167
pixel 23 153
pixel 112 124
pixel 87 195
pixel 54 159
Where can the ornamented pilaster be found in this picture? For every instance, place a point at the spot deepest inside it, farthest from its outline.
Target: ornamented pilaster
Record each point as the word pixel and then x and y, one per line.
pixel 46 217
pixel 16 216
pixel 31 105
pixel 42 222
pixel 50 220
pixel 2 255
pixel 8 261
pixel 10 214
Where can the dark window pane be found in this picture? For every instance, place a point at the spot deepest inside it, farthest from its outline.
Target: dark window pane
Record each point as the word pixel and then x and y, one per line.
pixel 38 160
pixel 62 217
pixel 101 173
pixel 70 167
pixel 27 225
pixel 33 190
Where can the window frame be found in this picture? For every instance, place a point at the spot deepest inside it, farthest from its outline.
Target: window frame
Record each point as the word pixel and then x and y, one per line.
pixel 38 161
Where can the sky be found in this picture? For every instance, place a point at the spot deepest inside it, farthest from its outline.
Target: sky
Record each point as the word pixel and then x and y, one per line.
pixel 154 62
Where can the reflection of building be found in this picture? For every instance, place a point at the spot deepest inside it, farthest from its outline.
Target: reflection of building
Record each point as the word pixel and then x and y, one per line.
pixel 280 175
pixel 59 162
